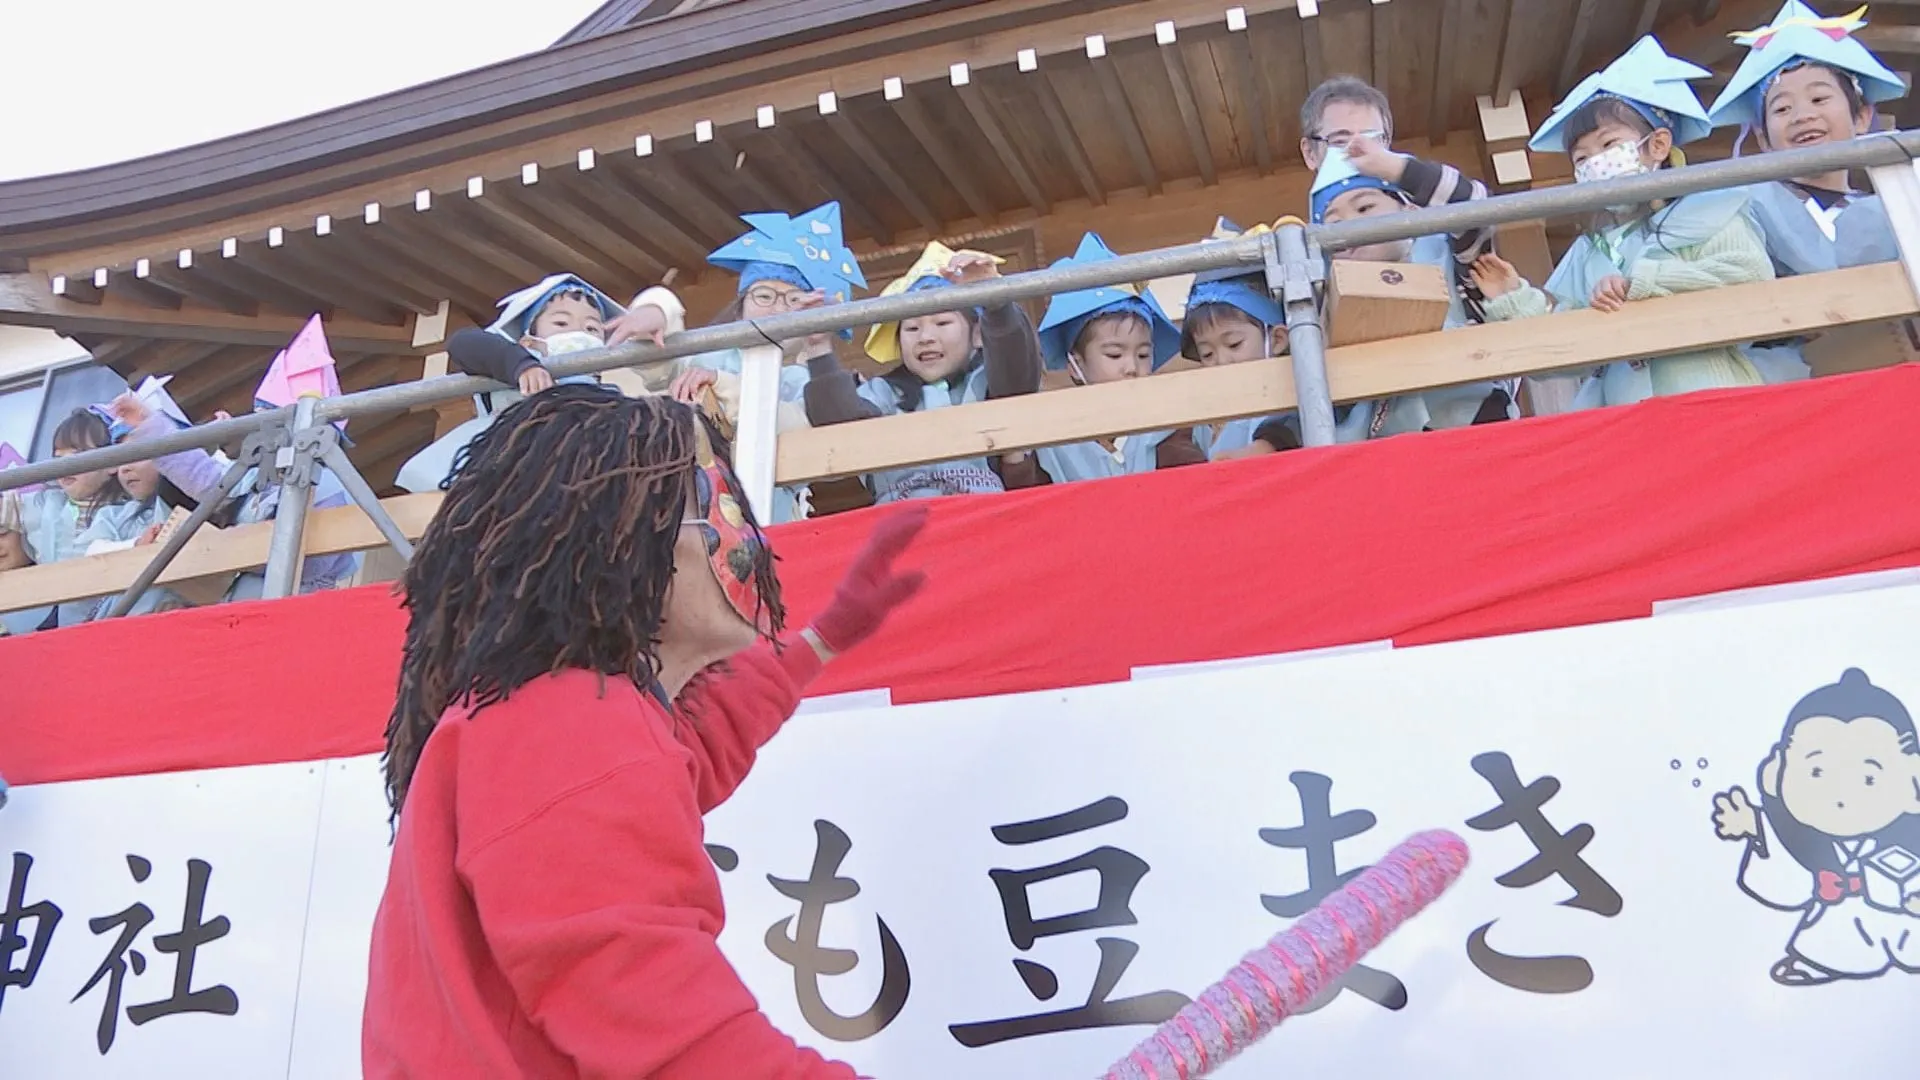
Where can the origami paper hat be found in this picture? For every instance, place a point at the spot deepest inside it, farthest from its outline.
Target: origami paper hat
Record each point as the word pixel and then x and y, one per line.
pixel 153 392
pixel 883 341
pixel 303 369
pixel 809 247
pixel 1646 78
pixel 1067 313
pixel 1235 286
pixel 1336 177
pixel 1797 35
pixel 519 310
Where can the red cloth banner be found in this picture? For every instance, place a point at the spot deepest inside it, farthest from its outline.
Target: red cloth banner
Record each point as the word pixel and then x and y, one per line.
pixel 1489 530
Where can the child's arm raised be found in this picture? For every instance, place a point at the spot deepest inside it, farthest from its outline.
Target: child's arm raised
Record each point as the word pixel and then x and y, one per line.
pixel 832 396
pixel 1735 255
pixel 1429 183
pixel 488 355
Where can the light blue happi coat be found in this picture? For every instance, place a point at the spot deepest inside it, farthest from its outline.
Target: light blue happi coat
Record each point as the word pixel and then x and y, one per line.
pixel 1446 406
pixel 1862 235
pixel 428 469
pixel 971 476
pixel 54 534
pixel 1091 461
pixel 1682 224
pixel 1797 245
pixel 793 389
pixel 318 572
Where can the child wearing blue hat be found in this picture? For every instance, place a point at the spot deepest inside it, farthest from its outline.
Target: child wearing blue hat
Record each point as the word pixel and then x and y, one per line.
pixel 1805 81
pixel 1109 334
pixel 1624 121
pixel 937 361
pixel 1365 179
pixel 558 315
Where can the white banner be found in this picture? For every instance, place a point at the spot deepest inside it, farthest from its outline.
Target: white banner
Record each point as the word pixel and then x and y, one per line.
pixel 1020 886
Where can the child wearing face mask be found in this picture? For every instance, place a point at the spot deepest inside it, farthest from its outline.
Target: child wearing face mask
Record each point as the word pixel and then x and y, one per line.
pixel 937 361
pixel 1109 334
pixel 560 315
pixel 1624 121
pixel 1363 180
pixel 1807 81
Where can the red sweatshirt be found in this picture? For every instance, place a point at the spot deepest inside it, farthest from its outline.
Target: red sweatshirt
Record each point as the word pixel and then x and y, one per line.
pixel 551 912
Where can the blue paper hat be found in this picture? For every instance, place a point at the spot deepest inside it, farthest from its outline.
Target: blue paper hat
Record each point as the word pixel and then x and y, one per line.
pixel 519 310
pixel 810 245
pixel 1236 286
pixel 1646 78
pixel 1336 177
pixel 1797 35
pixel 1068 313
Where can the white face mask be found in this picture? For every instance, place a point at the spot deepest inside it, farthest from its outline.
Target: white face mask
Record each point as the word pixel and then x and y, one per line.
pixel 571 341
pixel 1616 161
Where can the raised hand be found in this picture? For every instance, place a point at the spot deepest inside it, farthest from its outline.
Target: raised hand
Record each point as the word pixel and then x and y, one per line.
pixel 1372 158
pixel 968 267
pixel 1495 276
pixel 872 589
pixel 646 321
pixel 535 379
pixel 1734 817
pixel 130 410
pixel 690 384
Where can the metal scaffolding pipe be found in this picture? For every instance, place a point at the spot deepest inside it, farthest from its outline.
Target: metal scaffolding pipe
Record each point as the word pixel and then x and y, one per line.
pixel 1246 252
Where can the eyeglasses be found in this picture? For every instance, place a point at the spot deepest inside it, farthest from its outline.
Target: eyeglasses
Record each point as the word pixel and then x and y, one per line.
pixel 1340 140
pixel 773 298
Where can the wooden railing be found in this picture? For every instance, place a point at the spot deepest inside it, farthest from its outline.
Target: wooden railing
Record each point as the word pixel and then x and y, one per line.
pixel 1572 340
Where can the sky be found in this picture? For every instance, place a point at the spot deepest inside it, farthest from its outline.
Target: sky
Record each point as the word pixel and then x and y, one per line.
pixel 93 82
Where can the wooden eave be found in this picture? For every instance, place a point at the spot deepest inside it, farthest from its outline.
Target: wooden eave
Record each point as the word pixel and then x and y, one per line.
pixel 1144 141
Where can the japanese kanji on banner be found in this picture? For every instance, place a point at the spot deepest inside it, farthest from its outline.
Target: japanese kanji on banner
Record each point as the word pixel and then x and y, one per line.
pixel 1696 844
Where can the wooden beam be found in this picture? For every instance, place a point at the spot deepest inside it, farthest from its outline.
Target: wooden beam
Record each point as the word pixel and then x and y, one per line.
pixel 1237 52
pixel 321 279
pixel 527 230
pixel 1648 18
pixel 1571 67
pixel 957 172
pixel 1190 119
pixel 849 131
pixel 661 171
pixel 982 112
pixel 268 289
pixel 1890 40
pixel 1569 340
pixel 205 288
pixel 1067 138
pixel 198 387
pixel 398 250
pixel 469 237
pixel 28 300
pixel 211 552
pixel 607 188
pixel 143 291
pixel 814 166
pixel 174 357
pixel 1113 93
pixel 575 233
pixel 1380 37
pixel 1313 52
pixel 745 170
pixel 1446 47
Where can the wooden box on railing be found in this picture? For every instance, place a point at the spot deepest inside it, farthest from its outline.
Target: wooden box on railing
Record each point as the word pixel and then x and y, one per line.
pixel 1371 301
pixel 1863 347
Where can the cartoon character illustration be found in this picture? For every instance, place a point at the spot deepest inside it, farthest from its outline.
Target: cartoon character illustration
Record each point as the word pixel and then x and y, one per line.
pixel 1836 834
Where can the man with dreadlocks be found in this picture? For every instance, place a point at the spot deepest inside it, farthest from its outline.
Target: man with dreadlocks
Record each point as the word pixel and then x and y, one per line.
pixel 563 721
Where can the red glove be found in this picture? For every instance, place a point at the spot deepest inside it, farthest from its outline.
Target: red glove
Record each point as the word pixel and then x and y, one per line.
pixel 871 589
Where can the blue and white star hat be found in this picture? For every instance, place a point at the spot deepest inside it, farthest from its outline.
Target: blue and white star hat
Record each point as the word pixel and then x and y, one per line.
pixel 1336 177
pixel 1799 35
pixel 807 252
pixel 1068 313
pixel 519 310
pixel 1646 78
pixel 1236 287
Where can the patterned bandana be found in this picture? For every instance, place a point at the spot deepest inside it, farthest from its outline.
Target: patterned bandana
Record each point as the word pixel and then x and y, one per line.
pixel 733 545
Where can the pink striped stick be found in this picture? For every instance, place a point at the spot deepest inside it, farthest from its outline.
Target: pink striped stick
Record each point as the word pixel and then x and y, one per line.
pixel 1273 982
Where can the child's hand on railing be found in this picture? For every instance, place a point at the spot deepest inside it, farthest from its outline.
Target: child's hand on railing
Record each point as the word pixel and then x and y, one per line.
pixel 1610 294
pixel 690 384
pixel 646 321
pixel 535 379
pixel 1496 276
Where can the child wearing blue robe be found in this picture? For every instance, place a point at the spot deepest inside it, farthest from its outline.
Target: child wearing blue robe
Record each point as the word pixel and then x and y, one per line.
pixel 937 361
pixel 1108 334
pixel 1624 121
pixel 1365 179
pixel 785 264
pixel 61 522
pixel 1807 81
pixel 559 315
pixel 1230 319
